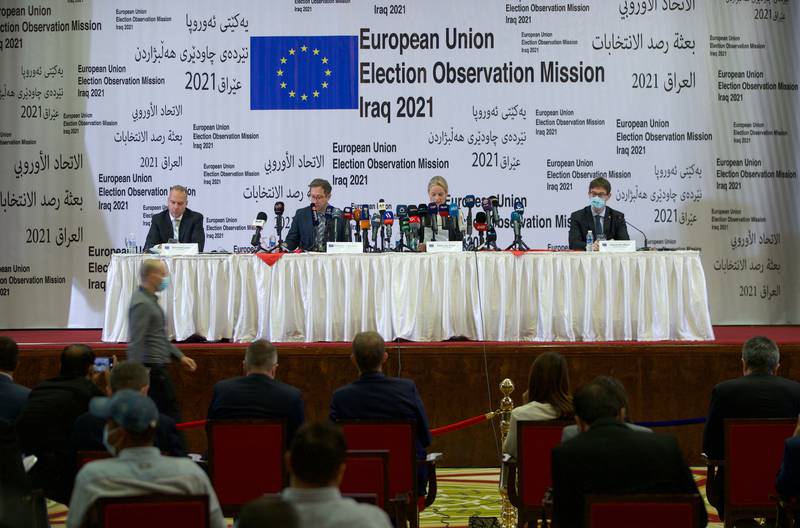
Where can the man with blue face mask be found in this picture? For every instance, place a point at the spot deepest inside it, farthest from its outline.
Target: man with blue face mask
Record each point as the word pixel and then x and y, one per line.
pixel 604 222
pixel 147 336
pixel 138 468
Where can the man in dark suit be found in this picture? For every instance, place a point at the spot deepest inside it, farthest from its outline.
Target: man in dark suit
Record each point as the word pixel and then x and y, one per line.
pixel 609 458
pixel 45 423
pixel 597 217
pixel 759 393
pixel 257 394
pixel 788 481
pixel 309 231
pixel 12 395
pixel 176 218
pixel 87 432
pixel 377 397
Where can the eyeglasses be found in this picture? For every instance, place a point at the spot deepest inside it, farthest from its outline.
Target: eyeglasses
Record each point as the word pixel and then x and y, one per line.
pixel 598 194
pixel 317 196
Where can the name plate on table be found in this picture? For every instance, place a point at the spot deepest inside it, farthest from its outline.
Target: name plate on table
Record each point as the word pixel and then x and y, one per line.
pixel 617 246
pixel 339 248
pixel 171 250
pixel 455 246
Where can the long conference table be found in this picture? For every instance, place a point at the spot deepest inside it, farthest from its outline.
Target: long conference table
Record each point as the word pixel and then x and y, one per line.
pixel 490 296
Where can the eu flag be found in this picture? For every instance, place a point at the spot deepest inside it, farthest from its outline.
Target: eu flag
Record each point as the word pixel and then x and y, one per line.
pixel 303 73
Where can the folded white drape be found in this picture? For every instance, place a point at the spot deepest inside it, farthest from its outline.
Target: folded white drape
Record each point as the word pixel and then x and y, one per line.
pixel 537 296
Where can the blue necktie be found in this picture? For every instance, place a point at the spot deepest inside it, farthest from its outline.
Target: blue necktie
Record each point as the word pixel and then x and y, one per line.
pixel 598 225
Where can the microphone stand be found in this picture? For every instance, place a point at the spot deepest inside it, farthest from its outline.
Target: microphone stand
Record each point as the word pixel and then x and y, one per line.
pixel 645 248
pixel 280 247
pixel 518 243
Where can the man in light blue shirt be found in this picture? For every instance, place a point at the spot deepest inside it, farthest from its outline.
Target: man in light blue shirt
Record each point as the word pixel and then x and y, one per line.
pixel 316 467
pixel 138 468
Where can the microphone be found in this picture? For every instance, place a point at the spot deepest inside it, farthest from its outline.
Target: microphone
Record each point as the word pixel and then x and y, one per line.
pixel 328 222
pixel 480 224
pixel 261 219
pixel 424 219
pixel 469 203
pixel 337 217
pixel 364 222
pixel 486 205
pixel 518 207
pixel 645 248
pixel 278 210
pixel 314 217
pixel 516 224
pixel 414 223
pixel 376 223
pixel 454 215
pixel 405 231
pixel 388 220
pixel 347 214
pixel 402 211
pixel 412 210
pixel 444 213
pixel 432 210
pixel 357 218
pixel 495 209
pixel 381 205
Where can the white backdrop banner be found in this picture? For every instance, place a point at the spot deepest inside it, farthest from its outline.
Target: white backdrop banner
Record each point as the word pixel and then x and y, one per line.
pixel 689 108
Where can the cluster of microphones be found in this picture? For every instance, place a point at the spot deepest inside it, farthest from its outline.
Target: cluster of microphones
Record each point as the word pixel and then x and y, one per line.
pixel 374 230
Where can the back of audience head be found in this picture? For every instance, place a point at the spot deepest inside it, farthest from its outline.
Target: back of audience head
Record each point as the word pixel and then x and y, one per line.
pixel 261 356
pixel 760 355
pixel 77 360
pixel 266 512
pixel 130 375
pixel 369 351
pixel 603 397
pixel 548 382
pixel 316 458
pixel 9 354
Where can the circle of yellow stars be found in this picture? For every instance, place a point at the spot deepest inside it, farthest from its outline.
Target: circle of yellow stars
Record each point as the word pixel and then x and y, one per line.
pixel 294 53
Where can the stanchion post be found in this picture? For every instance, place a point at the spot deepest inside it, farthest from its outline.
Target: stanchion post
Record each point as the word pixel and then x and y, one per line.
pixel 508 514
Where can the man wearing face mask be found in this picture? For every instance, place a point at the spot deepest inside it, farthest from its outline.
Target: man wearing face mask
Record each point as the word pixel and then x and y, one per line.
pixel 138 468
pixel 604 222
pixel 147 331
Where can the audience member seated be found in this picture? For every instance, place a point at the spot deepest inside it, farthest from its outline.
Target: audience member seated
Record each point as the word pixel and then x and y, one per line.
pixel 266 512
pixel 788 481
pixel 87 433
pixel 377 397
pixel 257 394
pixel 571 431
pixel 138 468
pixel 548 396
pixel 609 458
pixel 12 395
pixel 14 484
pixel 759 393
pixel 316 467
pixel 45 423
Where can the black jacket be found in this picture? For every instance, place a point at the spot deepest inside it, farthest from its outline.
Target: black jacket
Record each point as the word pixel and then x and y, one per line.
pixel 611 458
pixel 191 229
pixel 87 435
pixel 257 396
pixel 303 232
pixel 757 395
pixel 582 221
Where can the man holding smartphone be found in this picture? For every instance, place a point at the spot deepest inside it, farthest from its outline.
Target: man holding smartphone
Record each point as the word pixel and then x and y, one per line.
pixel 147 334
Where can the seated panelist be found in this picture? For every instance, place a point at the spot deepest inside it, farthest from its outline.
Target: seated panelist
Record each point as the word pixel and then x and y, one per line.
pixel 604 222
pixel 438 192
pixel 176 222
pixel 309 229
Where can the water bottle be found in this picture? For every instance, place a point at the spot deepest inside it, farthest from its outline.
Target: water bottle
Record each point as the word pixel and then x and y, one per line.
pixel 130 244
pixel 589 241
pixel 273 241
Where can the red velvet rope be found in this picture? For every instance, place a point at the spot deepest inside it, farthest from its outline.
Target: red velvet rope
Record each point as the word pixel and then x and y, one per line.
pixel 463 424
pixel 198 424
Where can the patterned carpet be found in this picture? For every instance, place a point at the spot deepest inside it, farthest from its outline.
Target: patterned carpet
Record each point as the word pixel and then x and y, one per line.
pixel 462 493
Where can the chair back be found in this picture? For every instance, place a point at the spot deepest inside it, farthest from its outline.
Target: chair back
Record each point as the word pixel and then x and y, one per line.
pixel 753 455
pixel 397 438
pixel 84 457
pixel 535 441
pixel 152 511
pixel 366 474
pixel 245 460
pixel 634 511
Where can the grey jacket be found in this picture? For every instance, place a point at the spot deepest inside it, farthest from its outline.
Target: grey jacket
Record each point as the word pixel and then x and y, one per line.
pixel 147 331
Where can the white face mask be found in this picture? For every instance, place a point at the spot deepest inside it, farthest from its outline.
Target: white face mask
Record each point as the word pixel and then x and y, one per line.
pixel 110 448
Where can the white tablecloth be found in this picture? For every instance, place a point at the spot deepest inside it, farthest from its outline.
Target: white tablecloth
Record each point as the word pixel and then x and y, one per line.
pixel 538 296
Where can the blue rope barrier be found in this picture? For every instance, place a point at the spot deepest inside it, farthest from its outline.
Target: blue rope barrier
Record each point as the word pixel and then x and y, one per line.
pixel 673 423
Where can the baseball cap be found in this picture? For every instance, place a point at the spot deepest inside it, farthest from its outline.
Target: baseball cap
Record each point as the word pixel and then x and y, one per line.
pixel 132 410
